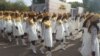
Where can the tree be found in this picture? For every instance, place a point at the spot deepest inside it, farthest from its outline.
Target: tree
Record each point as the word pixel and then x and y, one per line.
pixel 92 5
pixel 38 1
pixel 19 5
pixel 76 4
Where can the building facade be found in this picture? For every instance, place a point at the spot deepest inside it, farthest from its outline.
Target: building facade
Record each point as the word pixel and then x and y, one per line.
pixel 92 5
pixel 53 6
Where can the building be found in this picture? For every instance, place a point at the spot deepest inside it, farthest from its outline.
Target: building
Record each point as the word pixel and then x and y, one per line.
pixel 92 5
pixel 80 10
pixel 53 6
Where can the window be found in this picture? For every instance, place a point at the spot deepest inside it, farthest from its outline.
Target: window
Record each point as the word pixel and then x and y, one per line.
pixel 38 1
pixel 63 0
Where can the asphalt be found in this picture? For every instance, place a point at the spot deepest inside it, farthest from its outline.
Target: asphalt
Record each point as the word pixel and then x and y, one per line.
pixel 10 49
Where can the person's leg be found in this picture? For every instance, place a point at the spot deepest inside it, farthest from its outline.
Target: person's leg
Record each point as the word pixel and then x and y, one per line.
pixel 9 37
pixel 62 44
pixel 40 39
pixel 23 40
pixel 48 53
pixel 2 33
pixel 43 47
pixel 33 47
pixel 17 41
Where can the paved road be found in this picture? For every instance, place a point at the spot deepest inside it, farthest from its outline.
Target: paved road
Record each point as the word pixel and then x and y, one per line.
pixel 7 49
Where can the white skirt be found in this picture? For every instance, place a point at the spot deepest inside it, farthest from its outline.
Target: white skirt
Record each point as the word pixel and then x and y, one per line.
pixel 48 37
pixel 60 32
pixel 95 47
pixel 87 47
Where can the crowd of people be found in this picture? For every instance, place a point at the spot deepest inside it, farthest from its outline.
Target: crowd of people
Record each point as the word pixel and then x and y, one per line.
pixel 49 29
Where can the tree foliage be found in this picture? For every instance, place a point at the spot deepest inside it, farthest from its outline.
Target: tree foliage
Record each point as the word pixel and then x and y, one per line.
pixel 76 4
pixel 19 5
pixel 92 5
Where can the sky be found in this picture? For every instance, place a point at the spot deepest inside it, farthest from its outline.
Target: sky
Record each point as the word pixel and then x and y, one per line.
pixel 28 2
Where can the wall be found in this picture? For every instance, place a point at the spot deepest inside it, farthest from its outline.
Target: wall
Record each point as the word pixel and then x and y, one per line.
pixel 40 7
pixel 52 6
pixel 55 4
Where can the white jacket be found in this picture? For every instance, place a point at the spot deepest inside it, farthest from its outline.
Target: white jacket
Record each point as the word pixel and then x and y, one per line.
pixel 59 31
pixel 32 32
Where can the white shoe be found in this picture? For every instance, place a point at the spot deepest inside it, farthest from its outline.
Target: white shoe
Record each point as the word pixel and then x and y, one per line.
pixel 33 49
pixel 3 36
pixel 9 38
pixel 41 49
pixel 23 42
pixel 63 46
pixel 48 53
pixel 17 43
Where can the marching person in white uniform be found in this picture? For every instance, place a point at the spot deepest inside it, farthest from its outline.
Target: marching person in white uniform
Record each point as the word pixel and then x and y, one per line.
pixel 60 32
pixel 24 24
pixel 94 29
pixel 71 26
pixel 32 32
pixel 2 23
pixel 8 27
pixel 86 49
pixel 47 32
pixel 81 21
pixel 66 27
pixel 17 28
pixel 53 20
pixel 77 19
pixel 39 26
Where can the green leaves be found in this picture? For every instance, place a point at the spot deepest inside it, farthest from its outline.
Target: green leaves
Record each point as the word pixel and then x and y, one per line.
pixel 92 5
pixel 76 4
pixel 19 5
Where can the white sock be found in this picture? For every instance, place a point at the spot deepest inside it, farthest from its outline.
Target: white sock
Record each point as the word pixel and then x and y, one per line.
pixel 9 38
pixel 33 49
pixel 3 35
pixel 23 42
pixel 62 46
pixel 64 40
pixel 17 43
pixel 42 49
pixel 48 53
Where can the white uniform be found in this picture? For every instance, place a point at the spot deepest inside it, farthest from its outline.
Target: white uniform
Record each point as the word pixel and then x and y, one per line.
pixel 48 40
pixel 8 26
pixel 39 28
pixel 24 24
pixel 99 25
pixel 32 33
pixel 95 42
pixel 81 23
pixel 73 26
pixel 86 43
pixel 78 23
pixel 99 29
pixel 53 26
pixel 2 24
pixel 70 21
pixel 59 31
pixel 66 26
pixel 18 29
